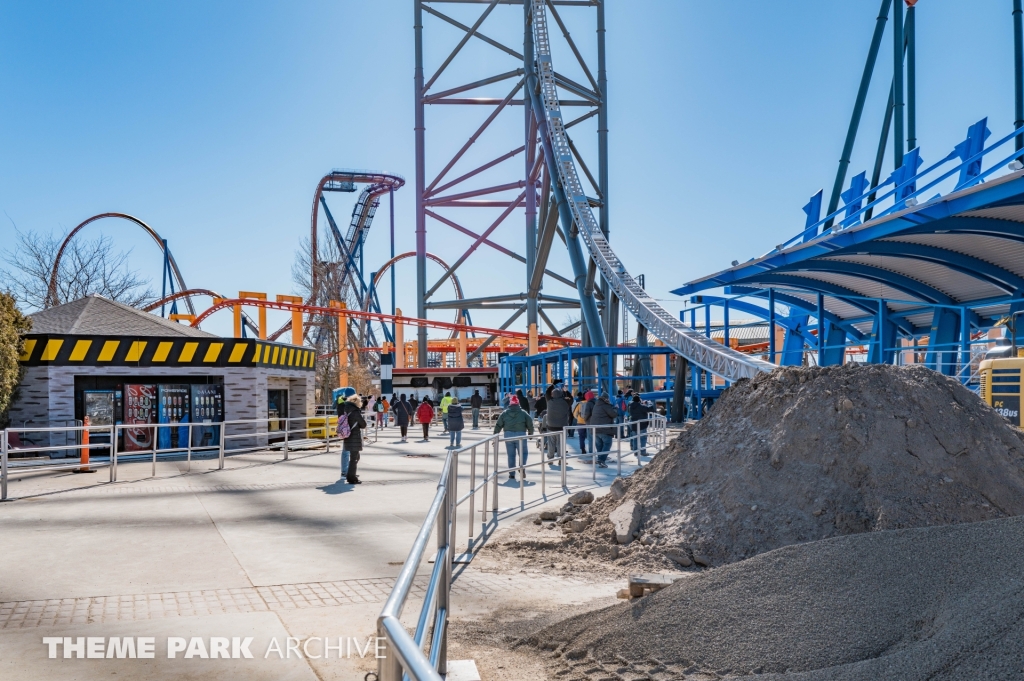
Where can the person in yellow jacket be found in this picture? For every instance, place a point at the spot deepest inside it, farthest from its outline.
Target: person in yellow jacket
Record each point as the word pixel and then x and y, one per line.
pixel 445 401
pixel 577 412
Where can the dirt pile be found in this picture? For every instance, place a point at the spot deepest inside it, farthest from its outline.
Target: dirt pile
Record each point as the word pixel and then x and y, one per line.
pixel 798 455
pixel 937 603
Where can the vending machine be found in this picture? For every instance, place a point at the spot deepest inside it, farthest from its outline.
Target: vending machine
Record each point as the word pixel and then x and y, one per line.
pixel 207 414
pixel 173 408
pixel 139 411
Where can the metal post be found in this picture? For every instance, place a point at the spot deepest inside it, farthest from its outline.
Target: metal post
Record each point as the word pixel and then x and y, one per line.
pixel 494 501
pixel 3 465
pixel 472 495
pixel 421 215
pixel 544 468
pixel 908 30
pixel 821 329
pixel 155 439
pixel 897 84
pixel 592 436
pixel 444 592
pixel 483 505
pixel 1018 70
pixel 771 325
pixel 965 344
pixel 620 453
pixel 453 497
pixel 287 429
pixel 163 278
pixel 563 454
pixel 523 444
pixel 220 454
pixel 114 454
pixel 611 305
pixel 858 108
pixel 188 468
pixel 391 193
pixel 531 194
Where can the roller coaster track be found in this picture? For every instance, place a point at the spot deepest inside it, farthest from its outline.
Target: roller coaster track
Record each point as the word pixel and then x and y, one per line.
pixel 52 296
pixel 373 316
pixel 696 348
pixel 362 215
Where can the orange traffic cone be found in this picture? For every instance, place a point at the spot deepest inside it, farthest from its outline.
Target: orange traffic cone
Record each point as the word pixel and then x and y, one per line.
pixel 84 451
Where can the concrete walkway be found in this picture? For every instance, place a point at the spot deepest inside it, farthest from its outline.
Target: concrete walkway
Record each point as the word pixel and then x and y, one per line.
pixel 266 549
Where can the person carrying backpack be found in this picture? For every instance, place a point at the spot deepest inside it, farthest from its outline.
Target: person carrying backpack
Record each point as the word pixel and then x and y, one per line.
pixel 350 428
pixel 403 416
pixel 425 414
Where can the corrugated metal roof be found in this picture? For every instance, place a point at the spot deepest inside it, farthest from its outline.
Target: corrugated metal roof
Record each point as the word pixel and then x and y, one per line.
pixel 955 284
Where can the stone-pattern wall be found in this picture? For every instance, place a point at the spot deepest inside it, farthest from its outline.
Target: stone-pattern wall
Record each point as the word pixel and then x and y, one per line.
pixel 47 394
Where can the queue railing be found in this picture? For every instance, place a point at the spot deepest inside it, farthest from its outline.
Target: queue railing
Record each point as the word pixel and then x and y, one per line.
pixel 406 654
pixel 233 437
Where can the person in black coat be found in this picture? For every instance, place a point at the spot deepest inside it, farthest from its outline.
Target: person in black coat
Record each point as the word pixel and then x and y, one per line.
pixel 353 445
pixel 475 403
pixel 456 423
pixel 639 413
pixel 404 412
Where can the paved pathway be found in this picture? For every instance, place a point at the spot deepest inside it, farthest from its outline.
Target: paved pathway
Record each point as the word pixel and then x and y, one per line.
pixel 266 549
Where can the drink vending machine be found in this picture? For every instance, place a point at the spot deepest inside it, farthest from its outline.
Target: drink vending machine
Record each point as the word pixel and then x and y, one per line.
pixel 207 414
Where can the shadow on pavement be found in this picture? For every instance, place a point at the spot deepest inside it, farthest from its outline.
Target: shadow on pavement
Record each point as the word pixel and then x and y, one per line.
pixel 339 487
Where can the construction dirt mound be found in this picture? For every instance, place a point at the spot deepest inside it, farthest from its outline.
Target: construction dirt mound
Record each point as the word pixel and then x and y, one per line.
pixel 937 603
pixel 798 455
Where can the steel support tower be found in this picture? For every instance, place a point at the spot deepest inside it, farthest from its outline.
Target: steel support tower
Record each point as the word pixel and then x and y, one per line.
pixel 516 181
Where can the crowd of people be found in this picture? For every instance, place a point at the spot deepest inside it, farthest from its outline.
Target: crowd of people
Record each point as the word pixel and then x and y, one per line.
pixel 595 418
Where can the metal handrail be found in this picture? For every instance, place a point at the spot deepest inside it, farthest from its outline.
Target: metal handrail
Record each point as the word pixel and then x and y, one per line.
pixel 154 451
pixel 404 656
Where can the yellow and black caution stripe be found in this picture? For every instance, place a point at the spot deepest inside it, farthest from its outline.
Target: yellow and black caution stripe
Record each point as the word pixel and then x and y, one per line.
pixel 59 350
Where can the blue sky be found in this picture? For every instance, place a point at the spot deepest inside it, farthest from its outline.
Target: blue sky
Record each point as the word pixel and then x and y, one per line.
pixel 213 121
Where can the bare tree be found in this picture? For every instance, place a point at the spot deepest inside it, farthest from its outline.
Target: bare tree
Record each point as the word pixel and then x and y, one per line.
pixel 321 331
pixel 86 266
pixel 569 320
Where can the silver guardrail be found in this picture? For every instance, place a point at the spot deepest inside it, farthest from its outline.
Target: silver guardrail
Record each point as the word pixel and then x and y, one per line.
pixel 235 437
pixel 404 651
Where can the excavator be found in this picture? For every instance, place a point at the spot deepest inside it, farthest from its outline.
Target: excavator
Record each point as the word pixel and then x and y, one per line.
pixel 1000 371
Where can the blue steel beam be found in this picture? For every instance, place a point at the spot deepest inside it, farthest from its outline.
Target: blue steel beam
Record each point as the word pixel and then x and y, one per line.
pixel 791 324
pixel 794 302
pixel 928 218
pixel 815 286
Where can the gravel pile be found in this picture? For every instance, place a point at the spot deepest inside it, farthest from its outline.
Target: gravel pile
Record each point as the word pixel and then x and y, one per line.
pixel 797 455
pixel 938 603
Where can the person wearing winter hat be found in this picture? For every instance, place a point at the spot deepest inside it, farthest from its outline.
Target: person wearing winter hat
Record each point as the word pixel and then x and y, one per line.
pixel 516 422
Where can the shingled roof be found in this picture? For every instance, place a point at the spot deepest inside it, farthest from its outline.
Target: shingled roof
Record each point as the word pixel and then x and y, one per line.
pixel 95 315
